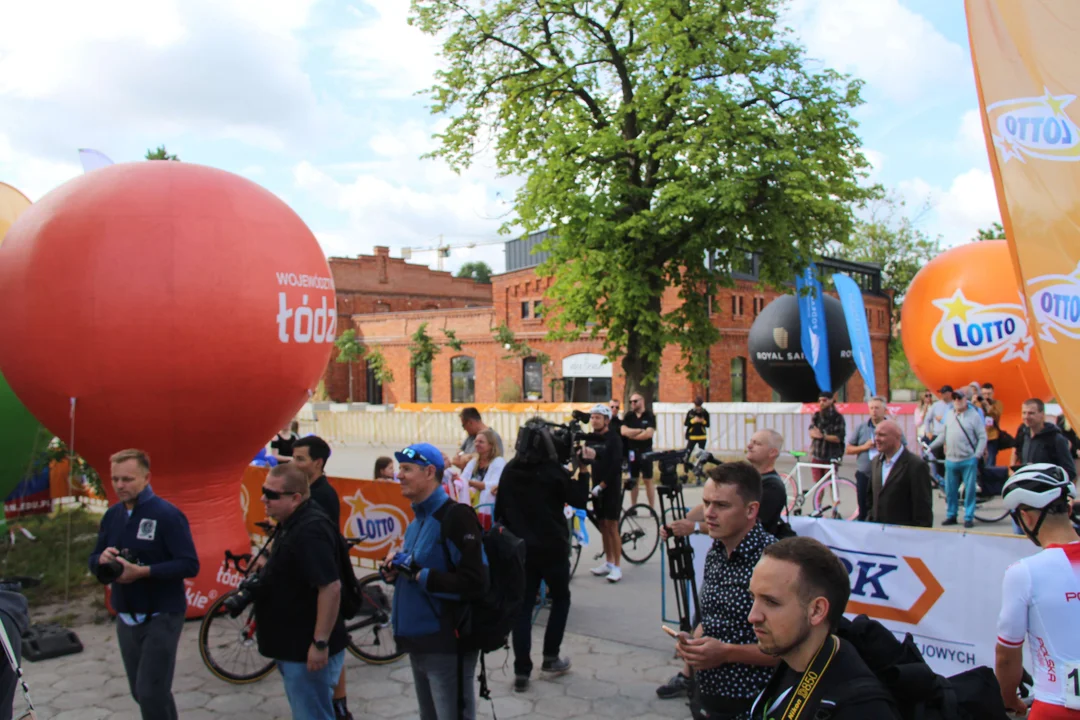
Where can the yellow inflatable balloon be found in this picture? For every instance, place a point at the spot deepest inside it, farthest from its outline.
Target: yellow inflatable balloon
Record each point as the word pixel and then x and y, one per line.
pixel 12 204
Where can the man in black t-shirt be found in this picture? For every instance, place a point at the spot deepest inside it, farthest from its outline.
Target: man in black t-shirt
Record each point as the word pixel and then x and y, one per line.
pixel 297 606
pixel 800 590
pixel 606 462
pixel 310 455
pixel 638 428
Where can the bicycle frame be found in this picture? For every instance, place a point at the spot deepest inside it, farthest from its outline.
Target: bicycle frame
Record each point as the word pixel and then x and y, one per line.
pixel 830 477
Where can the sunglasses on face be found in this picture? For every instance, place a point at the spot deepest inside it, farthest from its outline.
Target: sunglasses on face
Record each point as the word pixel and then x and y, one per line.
pixel 275 494
pixel 416 457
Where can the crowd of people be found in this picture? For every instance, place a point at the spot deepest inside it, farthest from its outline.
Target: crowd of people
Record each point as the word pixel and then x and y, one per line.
pixel 766 642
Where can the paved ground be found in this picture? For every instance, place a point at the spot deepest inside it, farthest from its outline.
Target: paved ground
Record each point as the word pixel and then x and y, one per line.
pixel 619 654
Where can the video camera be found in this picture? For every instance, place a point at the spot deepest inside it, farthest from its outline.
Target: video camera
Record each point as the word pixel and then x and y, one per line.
pixel 669 461
pixel 569 437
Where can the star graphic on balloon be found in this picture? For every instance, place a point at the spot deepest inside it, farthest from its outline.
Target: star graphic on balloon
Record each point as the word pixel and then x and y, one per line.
pixel 1021 349
pixel 1057 103
pixel 955 307
pixel 1008 148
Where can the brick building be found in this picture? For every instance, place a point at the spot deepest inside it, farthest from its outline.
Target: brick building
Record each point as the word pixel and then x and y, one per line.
pixel 386 300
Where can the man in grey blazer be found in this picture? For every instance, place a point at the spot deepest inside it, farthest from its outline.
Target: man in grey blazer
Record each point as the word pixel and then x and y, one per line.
pixel 900 490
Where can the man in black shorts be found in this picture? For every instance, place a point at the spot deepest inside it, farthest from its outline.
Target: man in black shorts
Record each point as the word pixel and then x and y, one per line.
pixel 638 428
pixel 606 462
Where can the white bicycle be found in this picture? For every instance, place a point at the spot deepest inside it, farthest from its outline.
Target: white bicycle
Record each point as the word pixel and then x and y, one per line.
pixel 833 496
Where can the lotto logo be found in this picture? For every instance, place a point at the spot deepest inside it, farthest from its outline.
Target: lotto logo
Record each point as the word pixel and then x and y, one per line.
pixel 308 324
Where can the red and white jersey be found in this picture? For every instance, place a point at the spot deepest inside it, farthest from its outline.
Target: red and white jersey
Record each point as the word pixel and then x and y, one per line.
pixel 1040 600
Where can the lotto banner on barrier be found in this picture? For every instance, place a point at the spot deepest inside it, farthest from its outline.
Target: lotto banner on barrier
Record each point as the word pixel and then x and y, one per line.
pixel 942 587
pixel 373 511
pixel 1027 76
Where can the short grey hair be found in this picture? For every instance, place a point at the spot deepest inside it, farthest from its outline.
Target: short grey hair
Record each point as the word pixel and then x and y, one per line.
pixel 773 439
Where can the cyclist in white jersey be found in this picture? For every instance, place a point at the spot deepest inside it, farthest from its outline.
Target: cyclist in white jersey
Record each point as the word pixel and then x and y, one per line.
pixel 1041 597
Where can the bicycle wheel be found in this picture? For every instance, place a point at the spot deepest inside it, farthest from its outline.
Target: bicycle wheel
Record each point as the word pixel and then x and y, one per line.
pixel 639 529
pixel 990 508
pixel 227 645
pixel 792 489
pixel 371 638
pixel 847 504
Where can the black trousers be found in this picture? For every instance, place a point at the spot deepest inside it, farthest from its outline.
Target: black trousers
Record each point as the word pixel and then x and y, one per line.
pixel 862 490
pixel 554 569
pixel 149 654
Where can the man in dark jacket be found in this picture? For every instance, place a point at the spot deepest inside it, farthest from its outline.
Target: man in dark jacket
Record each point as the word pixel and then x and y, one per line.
pixel 800 590
pixel 697 428
pixel 533 491
pixel 16 618
pixel 1041 442
pixel 900 488
pixel 147 540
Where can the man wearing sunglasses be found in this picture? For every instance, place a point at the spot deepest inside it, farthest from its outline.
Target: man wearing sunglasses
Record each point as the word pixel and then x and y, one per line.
pixel 441 565
pixel 298 598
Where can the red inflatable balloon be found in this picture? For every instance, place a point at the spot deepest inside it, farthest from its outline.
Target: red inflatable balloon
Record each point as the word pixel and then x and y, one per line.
pixel 189 312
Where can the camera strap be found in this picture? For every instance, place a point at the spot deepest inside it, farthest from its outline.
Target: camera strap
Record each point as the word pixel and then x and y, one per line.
pixel 17 669
pixel 804 692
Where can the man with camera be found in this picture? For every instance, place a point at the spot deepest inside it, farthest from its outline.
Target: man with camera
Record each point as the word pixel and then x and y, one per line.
pixel 298 595
pixel 606 460
pixel 144 550
pixel 440 567
pixel 533 491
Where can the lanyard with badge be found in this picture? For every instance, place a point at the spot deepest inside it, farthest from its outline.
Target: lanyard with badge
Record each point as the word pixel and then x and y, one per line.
pixel 810 680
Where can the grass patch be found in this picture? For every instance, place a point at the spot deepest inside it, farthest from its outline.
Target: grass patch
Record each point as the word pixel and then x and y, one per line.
pixel 47 557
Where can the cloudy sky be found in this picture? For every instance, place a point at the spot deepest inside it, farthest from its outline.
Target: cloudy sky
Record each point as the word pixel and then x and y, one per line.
pixel 315 100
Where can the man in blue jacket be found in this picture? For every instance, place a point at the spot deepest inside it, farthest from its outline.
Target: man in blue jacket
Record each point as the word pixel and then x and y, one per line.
pixel 144 550
pixel 441 565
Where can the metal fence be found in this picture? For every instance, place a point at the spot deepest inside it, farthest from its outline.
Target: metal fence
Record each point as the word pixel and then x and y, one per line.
pixel 732 424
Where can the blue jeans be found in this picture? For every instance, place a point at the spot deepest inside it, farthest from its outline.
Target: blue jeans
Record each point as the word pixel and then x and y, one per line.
pixel 436 677
pixel 959 472
pixel 311 694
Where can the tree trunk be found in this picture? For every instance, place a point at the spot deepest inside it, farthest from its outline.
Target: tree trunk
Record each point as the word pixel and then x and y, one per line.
pixel 350 366
pixel 633 365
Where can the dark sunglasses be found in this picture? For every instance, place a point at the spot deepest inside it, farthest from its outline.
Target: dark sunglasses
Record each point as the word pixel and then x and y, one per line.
pixel 416 457
pixel 275 494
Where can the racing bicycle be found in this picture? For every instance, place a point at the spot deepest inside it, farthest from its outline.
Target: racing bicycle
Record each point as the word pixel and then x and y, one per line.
pixel 228 646
pixel 639 529
pixel 831 496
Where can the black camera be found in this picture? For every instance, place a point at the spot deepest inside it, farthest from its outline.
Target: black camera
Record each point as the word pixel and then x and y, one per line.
pixel 109 572
pixel 242 596
pixel 669 461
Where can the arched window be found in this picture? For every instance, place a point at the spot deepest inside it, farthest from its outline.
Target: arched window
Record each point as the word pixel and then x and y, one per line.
pixel 532 381
pixel 422 383
pixel 738 379
pixel 462 379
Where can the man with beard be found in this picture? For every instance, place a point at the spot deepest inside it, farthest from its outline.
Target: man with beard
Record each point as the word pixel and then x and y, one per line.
pixel 799 590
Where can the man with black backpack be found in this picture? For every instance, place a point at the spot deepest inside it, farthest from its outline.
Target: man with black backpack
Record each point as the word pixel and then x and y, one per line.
pixel 440 570
pixel 533 491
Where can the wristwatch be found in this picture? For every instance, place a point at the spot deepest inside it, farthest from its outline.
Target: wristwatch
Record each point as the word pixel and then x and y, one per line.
pixel 320 644
pixel 697 528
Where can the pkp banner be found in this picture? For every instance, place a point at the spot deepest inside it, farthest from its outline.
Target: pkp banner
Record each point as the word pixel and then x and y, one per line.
pixel 855 314
pixel 815 338
pixel 942 587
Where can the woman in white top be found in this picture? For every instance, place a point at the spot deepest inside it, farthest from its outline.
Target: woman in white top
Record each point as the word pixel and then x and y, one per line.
pixel 483 472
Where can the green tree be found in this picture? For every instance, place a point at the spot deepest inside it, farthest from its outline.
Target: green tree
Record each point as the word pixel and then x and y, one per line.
pixel 889 237
pixel 160 154
pixel 504 336
pixel 378 365
pixel 994 232
pixel 478 271
pixel 452 341
pixel 422 352
pixel 651 134
pixel 349 352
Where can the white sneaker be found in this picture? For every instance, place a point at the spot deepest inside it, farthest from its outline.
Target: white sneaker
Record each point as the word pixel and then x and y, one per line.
pixel 602 570
pixel 615 575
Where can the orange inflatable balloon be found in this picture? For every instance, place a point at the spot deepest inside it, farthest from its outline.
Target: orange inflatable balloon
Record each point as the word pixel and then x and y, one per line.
pixel 191 312
pixel 964 320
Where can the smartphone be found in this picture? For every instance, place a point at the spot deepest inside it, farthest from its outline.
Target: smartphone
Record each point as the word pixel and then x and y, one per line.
pixel 669 631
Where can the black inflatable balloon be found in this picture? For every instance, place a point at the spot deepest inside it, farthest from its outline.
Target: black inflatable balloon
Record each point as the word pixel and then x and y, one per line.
pixel 775 347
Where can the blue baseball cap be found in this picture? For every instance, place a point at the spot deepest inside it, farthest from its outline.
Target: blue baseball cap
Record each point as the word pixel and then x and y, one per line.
pixel 421 454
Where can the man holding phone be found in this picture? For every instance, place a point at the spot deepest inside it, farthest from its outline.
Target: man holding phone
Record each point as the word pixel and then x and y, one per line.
pixel 730 668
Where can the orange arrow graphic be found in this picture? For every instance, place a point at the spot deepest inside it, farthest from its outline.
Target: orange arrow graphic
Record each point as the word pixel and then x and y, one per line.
pixel 932 592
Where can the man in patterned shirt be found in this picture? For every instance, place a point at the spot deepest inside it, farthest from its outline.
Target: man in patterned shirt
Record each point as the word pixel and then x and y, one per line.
pixel 730 668
pixel 826 434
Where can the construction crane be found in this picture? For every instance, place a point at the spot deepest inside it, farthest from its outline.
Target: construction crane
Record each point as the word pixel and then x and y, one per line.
pixel 442 250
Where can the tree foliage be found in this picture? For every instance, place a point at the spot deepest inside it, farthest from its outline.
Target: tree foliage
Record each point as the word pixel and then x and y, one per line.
pixel 452 341
pixel 650 133
pixel 422 352
pixel 378 365
pixel 160 154
pixel 479 271
pixel 994 232
pixel 516 348
pixel 349 351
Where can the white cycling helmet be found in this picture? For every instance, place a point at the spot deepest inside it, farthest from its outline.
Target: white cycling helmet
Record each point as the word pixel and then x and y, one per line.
pixel 1036 486
pixel 601 409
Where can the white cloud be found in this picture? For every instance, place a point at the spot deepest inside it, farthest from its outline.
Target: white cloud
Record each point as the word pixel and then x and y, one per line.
pixel 970 140
pixel 385 55
pixel 956 213
pixel 32 175
pixel 898 52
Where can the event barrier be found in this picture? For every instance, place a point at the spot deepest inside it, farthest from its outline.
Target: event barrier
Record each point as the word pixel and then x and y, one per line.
pixel 732 424
pixel 942 587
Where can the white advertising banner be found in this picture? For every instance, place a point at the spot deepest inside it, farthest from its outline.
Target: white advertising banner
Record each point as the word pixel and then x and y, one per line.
pixel 942 587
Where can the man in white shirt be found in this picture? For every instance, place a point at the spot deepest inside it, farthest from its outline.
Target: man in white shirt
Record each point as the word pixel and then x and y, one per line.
pixel 899 481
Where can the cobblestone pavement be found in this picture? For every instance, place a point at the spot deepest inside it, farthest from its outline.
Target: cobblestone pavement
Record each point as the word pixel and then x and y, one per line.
pixel 608 679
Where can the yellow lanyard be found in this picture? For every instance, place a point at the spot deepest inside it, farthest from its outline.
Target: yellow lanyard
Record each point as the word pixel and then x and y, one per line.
pixel 810 680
